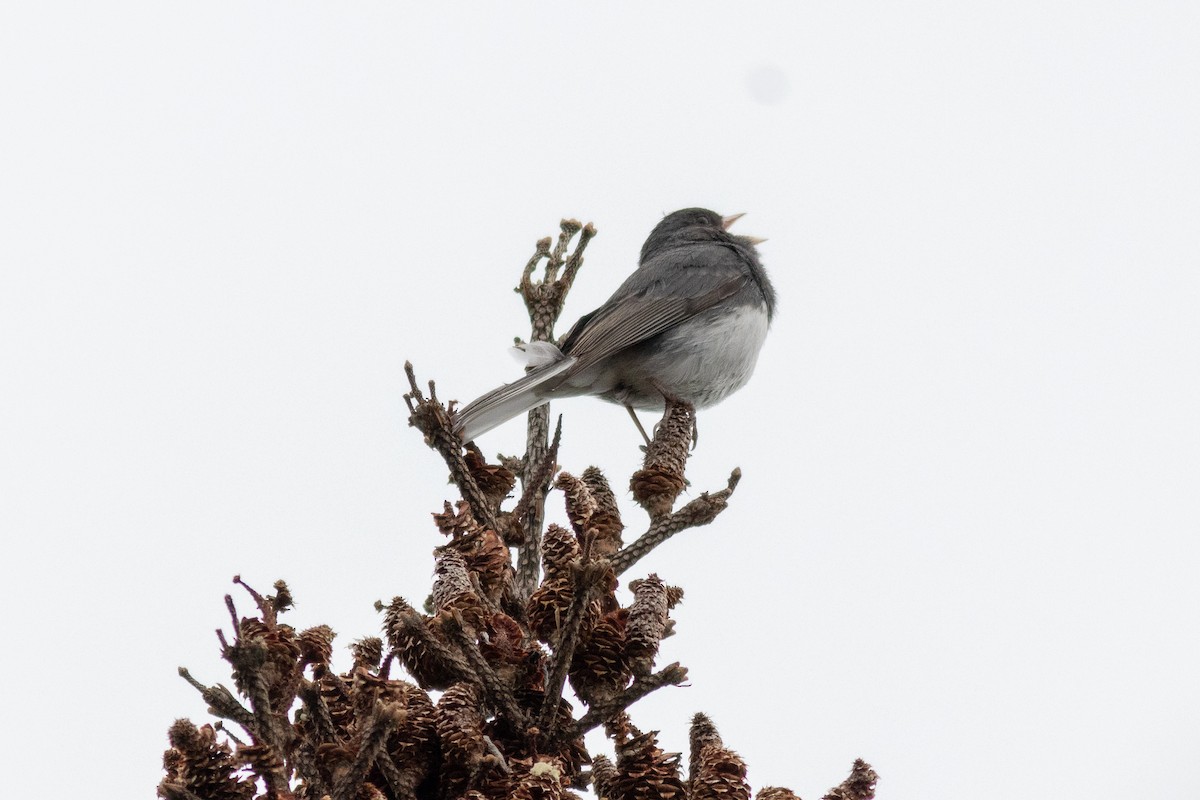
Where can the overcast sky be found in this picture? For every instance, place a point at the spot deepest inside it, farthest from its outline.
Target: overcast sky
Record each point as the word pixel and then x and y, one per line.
pixel 965 545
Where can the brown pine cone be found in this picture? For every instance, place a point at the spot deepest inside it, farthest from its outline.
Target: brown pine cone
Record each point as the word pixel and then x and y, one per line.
pixel 606 523
pixel 645 772
pixel 600 668
pixel 200 765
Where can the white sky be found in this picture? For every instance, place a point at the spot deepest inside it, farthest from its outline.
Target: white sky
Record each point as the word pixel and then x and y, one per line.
pixel 965 545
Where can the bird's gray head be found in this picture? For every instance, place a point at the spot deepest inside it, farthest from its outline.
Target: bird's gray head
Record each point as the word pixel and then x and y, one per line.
pixel 691 225
pixel 688 225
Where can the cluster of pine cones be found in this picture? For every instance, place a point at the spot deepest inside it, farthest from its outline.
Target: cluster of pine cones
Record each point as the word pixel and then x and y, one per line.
pixel 481 712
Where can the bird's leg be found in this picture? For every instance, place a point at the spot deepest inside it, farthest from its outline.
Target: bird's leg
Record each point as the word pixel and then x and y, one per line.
pixel 638 422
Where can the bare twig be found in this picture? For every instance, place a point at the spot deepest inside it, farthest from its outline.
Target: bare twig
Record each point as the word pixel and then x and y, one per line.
pixel 403 784
pixel 233 615
pixel 268 611
pixel 531 510
pixel 494 688
pixel 430 417
pixel 544 301
pixel 575 260
pixel 248 658
pixel 221 702
pixel 670 675
pixel 384 719
pixel 175 792
pixel 701 511
pixel 587 578
pixel 498 756
pixel 223 728
pixel 541 251
pixel 318 710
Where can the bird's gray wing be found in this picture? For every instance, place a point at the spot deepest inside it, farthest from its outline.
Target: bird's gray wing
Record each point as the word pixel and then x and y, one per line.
pixel 661 294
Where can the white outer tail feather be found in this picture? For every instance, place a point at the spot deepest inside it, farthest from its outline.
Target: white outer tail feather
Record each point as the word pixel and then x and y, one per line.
pixel 537 354
pixel 505 402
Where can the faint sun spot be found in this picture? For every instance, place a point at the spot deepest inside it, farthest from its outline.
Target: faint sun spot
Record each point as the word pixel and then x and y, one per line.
pixel 768 84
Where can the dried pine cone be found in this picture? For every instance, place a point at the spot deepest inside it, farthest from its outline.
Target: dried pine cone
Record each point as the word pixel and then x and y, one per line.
pixel 369 791
pixel 544 779
pixel 606 522
pixel 262 759
pixel 413 745
pixel 370 748
pixel 367 652
pixel 721 775
pixel 517 743
pixel 495 784
pixel 459 722
pixel 414 638
pixel 335 761
pixel 411 741
pixel 517 662
pixel 456 521
pixel 453 592
pixel 199 766
pixel 377 724
pixel 580 503
pixel 600 668
pixel 493 480
pixel 337 701
pixel 702 733
pixel 559 548
pixel 661 479
pixel 656 490
pixel 859 786
pixel 604 778
pixel 645 772
pixel 647 622
pixel 316 646
pixel 282 600
pixel 547 607
pixel 488 559
pixel 573 754
pixel 266 656
pixel 775 793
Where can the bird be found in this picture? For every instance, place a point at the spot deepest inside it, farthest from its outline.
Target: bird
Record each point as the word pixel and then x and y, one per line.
pixel 687 325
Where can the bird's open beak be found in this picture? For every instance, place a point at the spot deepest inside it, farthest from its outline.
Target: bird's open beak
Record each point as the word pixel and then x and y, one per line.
pixel 732 218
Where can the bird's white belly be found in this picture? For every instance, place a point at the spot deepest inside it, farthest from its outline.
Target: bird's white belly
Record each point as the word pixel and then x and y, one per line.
pixel 701 361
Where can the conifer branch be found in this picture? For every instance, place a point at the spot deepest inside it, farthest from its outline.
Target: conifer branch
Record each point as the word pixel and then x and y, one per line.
pixel 506 640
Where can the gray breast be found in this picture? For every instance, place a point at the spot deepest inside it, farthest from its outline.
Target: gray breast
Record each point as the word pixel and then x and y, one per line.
pixel 703 361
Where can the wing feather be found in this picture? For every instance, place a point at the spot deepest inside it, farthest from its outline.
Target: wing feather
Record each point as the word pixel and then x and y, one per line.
pixel 618 325
pixel 643 306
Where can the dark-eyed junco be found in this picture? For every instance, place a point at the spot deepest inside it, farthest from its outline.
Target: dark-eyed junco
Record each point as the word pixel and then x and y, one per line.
pixel 687 325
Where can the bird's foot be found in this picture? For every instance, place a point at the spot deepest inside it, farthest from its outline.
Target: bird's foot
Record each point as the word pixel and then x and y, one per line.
pixel 638 423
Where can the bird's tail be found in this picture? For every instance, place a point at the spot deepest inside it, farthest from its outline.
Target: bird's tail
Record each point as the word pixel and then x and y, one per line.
pixel 510 400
